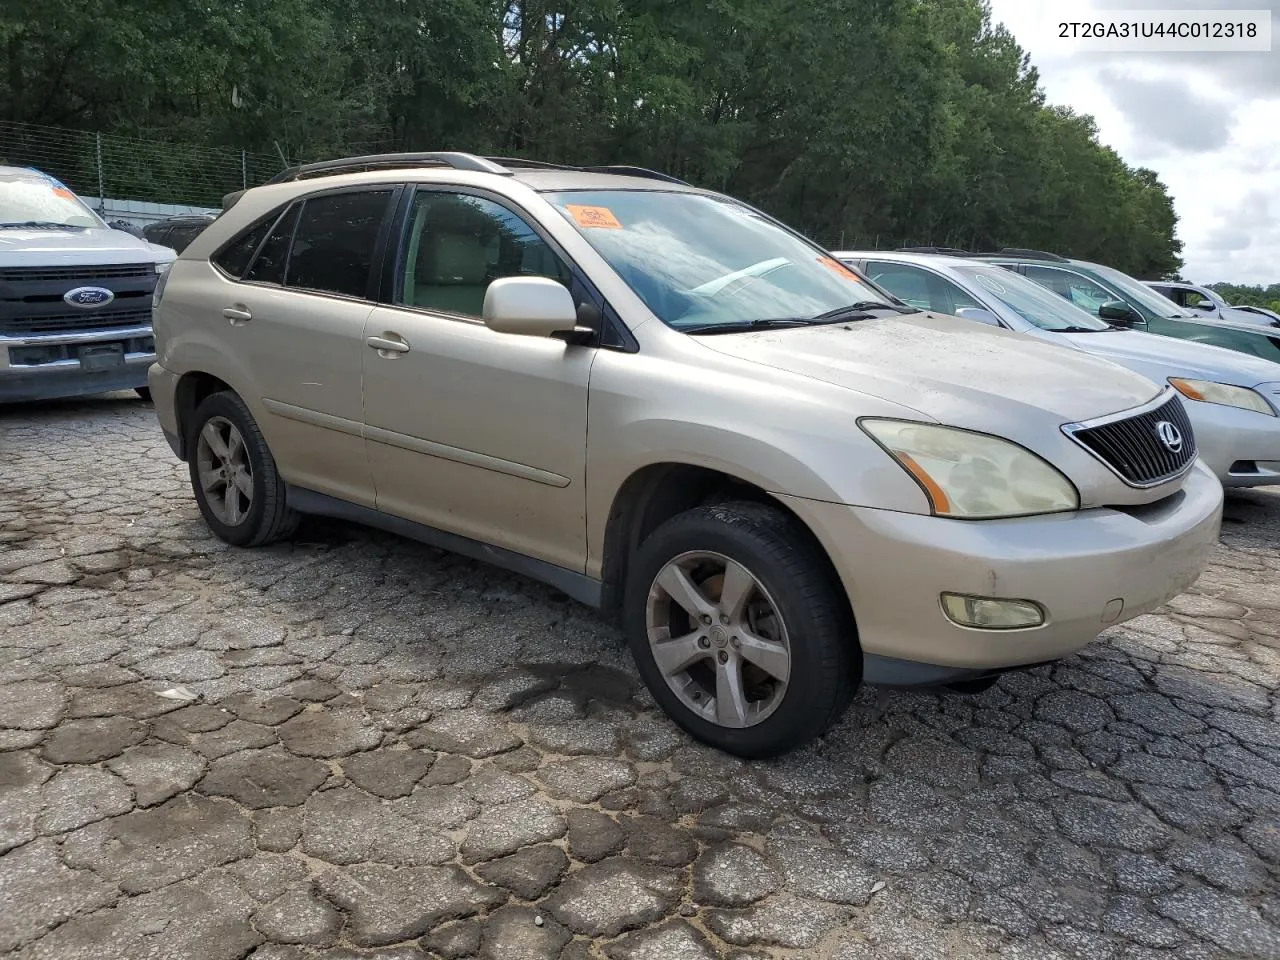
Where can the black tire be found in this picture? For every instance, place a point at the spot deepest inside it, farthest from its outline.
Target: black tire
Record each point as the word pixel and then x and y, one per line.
pixel 973 687
pixel 825 666
pixel 143 392
pixel 268 518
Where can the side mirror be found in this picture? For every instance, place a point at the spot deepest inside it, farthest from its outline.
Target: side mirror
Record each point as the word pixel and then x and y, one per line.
pixel 979 315
pixel 529 307
pixel 1119 313
pixel 1208 306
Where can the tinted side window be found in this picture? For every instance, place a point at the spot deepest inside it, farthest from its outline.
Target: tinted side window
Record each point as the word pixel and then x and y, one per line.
pixel 157 233
pixel 906 283
pixel 181 236
pixel 918 287
pixel 459 244
pixel 1081 291
pixel 334 243
pixel 234 257
pixel 268 266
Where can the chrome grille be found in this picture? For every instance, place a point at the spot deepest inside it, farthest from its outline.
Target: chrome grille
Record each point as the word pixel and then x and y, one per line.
pixel 80 320
pixel 77 275
pixel 1132 447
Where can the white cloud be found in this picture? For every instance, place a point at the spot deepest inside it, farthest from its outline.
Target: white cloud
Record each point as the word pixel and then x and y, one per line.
pixel 1207 123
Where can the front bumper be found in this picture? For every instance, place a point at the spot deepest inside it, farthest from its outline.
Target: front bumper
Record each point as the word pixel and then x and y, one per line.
pixel 57 378
pixel 1241 447
pixel 1088 570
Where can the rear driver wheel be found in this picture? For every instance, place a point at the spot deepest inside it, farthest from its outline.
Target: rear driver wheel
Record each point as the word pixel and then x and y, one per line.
pixel 739 628
pixel 233 474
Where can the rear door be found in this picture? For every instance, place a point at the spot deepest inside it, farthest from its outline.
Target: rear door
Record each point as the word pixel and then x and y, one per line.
pixel 297 317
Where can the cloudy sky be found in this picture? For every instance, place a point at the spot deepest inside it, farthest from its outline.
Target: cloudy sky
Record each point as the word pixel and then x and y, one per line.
pixel 1208 123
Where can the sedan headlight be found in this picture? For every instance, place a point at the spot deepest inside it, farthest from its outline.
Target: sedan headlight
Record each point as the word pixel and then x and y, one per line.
pixel 1223 393
pixel 972 475
pixel 163 265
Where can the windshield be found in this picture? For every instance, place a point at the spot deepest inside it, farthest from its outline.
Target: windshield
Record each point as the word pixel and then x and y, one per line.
pixel 1145 297
pixel 699 262
pixel 1032 302
pixel 39 202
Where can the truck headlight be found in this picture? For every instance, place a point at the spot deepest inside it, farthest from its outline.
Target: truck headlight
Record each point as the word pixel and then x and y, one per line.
pixel 1225 394
pixel 973 476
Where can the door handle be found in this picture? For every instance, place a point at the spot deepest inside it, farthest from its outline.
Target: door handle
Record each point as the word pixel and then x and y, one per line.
pixel 391 343
pixel 237 314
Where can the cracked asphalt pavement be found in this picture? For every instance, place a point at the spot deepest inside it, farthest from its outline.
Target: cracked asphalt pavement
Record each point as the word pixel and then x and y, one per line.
pixel 398 753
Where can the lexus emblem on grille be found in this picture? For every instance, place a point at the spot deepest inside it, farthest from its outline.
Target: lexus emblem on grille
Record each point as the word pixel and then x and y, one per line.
pixel 1169 435
pixel 88 297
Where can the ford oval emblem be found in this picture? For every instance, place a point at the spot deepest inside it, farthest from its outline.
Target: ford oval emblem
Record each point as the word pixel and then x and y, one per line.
pixel 1170 436
pixel 88 297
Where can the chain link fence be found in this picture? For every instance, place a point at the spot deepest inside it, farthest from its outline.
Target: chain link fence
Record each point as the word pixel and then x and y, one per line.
pixel 105 165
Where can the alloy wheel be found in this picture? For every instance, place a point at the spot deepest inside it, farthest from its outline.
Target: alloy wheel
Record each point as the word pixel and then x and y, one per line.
pixel 226 474
pixel 718 639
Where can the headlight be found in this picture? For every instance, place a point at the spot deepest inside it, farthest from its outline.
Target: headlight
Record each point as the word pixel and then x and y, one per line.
pixel 973 475
pixel 1223 393
pixel 162 267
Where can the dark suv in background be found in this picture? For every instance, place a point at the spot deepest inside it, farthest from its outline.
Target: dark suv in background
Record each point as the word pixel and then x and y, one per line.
pixel 177 232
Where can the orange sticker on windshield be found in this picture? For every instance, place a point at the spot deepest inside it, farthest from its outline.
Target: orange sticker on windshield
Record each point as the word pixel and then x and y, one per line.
pixel 835 266
pixel 64 193
pixel 601 218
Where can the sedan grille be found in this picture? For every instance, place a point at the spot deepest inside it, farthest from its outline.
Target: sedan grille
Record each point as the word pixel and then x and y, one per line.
pixel 1146 449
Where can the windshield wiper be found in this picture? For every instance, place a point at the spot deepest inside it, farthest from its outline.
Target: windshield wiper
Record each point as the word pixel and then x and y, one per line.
pixel 859 311
pixel 744 326
pixel 40 225
pixel 1105 329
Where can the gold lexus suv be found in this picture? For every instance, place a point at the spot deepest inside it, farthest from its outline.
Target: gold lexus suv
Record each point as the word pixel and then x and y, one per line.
pixel 779 479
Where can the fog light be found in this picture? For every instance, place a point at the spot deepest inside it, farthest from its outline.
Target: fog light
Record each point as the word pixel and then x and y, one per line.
pixel 984 613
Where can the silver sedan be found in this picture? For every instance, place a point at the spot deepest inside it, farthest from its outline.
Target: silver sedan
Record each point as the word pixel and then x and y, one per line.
pixel 1233 398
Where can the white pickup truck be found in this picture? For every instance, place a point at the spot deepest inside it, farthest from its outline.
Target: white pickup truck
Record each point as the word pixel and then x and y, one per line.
pixel 75 295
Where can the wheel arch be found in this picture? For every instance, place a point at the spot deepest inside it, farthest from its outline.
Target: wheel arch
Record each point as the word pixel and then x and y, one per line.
pixel 192 388
pixel 655 493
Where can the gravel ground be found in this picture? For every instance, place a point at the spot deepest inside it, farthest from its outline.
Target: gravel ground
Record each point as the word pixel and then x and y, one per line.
pixel 400 754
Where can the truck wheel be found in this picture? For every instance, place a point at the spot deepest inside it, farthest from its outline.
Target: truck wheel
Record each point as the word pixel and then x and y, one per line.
pixel 234 475
pixel 740 628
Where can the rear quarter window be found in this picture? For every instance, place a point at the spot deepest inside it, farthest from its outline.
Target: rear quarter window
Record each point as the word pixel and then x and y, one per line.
pixel 234 258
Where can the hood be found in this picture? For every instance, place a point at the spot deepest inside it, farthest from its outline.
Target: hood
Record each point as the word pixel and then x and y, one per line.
pixel 70 248
pixel 1243 316
pixel 1230 323
pixel 954 371
pixel 1234 316
pixel 1163 357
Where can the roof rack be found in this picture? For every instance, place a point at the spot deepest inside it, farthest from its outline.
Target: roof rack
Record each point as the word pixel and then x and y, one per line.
pixel 628 171
pixel 534 164
pixel 457 161
pixel 946 251
pixel 380 161
pixel 1025 254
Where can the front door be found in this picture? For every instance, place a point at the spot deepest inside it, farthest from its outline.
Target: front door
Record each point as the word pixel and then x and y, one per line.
pixel 477 433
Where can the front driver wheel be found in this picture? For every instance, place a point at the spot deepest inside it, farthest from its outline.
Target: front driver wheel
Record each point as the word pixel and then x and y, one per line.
pixel 233 474
pixel 739 628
